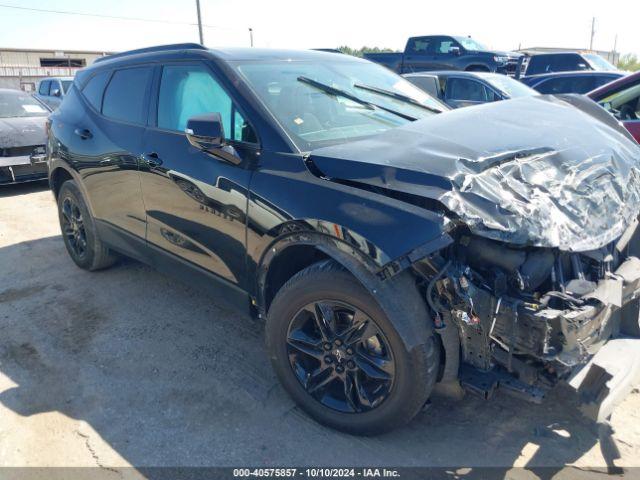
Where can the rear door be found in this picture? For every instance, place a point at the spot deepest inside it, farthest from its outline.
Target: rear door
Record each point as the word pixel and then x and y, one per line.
pixel 107 144
pixel 196 203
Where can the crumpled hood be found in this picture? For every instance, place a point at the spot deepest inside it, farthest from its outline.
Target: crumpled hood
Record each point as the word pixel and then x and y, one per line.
pixel 22 131
pixel 548 171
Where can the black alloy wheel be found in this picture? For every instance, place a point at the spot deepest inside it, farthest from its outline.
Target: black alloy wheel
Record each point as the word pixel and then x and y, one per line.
pixel 338 352
pixel 79 230
pixel 340 356
pixel 73 227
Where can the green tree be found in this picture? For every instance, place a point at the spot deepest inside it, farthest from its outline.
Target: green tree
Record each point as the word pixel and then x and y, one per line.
pixel 630 62
pixel 359 52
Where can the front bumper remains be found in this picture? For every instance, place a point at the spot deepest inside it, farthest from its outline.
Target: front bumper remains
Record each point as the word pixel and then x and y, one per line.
pixel 526 348
pixel 23 168
pixel 608 378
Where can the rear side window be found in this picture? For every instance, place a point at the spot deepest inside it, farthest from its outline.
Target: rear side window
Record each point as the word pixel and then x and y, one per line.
pixel 556 63
pixel 420 46
pixel 94 89
pixel 44 87
pixel 567 85
pixel 125 95
pixel 427 83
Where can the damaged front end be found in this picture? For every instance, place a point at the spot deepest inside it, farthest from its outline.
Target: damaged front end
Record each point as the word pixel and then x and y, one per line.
pixel 528 317
pixel 543 195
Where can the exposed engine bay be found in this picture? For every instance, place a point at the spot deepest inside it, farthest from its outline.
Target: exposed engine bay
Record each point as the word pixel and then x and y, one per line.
pixel 530 315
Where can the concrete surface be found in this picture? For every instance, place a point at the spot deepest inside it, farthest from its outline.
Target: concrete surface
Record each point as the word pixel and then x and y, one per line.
pixel 127 367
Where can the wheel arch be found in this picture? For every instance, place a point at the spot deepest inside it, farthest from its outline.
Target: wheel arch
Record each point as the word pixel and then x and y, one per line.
pixel 398 296
pixel 58 176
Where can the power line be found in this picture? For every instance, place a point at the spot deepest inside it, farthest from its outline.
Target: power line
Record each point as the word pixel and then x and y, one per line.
pixel 113 17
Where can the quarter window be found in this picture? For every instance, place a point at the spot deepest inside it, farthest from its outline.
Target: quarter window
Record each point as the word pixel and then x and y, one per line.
pixel 125 95
pixel 94 89
pixel 189 90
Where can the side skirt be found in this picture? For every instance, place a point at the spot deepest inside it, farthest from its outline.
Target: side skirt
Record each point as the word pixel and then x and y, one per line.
pixel 215 287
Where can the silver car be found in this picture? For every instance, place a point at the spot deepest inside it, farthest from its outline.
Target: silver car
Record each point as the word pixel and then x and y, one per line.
pixel 22 137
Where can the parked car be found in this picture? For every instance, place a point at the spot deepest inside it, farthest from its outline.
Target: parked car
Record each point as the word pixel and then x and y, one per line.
pixel 570 82
pixel 52 90
pixel 538 63
pixel 22 137
pixel 384 242
pixel 445 52
pixel 622 98
pixel 462 89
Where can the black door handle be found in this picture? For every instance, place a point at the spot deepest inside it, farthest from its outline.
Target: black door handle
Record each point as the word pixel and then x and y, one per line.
pixel 151 159
pixel 83 133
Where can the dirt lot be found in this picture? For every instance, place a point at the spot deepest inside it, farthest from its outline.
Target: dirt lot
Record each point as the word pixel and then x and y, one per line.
pixel 127 367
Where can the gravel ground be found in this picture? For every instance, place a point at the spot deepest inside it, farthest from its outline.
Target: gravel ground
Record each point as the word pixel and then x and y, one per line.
pixel 127 367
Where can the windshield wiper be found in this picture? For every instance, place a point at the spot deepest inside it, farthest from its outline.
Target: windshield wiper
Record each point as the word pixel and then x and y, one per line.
pixel 397 96
pixel 341 93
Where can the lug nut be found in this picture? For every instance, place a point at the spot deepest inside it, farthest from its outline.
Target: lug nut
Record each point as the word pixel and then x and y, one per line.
pixel 338 342
pixel 351 364
pixel 328 359
pixel 326 346
pixel 349 351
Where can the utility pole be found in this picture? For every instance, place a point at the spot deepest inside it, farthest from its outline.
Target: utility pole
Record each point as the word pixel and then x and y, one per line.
pixel 251 35
pixel 593 32
pixel 614 60
pixel 199 22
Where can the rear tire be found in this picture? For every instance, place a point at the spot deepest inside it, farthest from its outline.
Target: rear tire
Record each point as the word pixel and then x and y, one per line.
pixel 79 230
pixel 358 399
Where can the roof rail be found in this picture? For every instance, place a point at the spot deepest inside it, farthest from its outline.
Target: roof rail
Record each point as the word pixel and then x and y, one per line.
pixel 159 48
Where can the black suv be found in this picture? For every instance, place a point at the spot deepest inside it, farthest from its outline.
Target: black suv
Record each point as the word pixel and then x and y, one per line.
pixel 388 245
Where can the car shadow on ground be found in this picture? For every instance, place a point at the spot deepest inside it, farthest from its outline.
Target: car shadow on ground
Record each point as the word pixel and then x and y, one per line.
pixel 167 377
pixel 23 188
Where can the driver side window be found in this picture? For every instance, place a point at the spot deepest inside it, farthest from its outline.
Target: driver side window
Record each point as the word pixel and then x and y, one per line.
pixel 188 90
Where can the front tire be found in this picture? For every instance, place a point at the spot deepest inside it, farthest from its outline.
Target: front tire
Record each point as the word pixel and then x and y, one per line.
pixel 339 356
pixel 79 230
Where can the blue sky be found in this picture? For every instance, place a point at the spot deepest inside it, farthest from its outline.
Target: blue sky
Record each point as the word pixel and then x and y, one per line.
pixel 326 23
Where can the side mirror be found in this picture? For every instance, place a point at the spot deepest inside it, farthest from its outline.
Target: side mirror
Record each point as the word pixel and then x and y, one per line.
pixel 455 50
pixel 205 131
pixel 55 92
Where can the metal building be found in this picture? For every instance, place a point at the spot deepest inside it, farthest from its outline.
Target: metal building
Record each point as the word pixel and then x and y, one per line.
pixel 22 68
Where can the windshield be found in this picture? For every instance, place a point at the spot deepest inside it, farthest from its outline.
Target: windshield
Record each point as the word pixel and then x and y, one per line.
pixel 470 44
pixel 512 88
pixel 314 117
pixel 598 63
pixel 65 85
pixel 18 104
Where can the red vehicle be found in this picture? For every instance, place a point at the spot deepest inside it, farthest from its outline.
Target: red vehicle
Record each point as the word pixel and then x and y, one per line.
pixel 622 99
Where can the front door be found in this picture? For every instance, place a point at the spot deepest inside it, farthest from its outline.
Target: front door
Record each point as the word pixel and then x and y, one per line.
pixel 196 203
